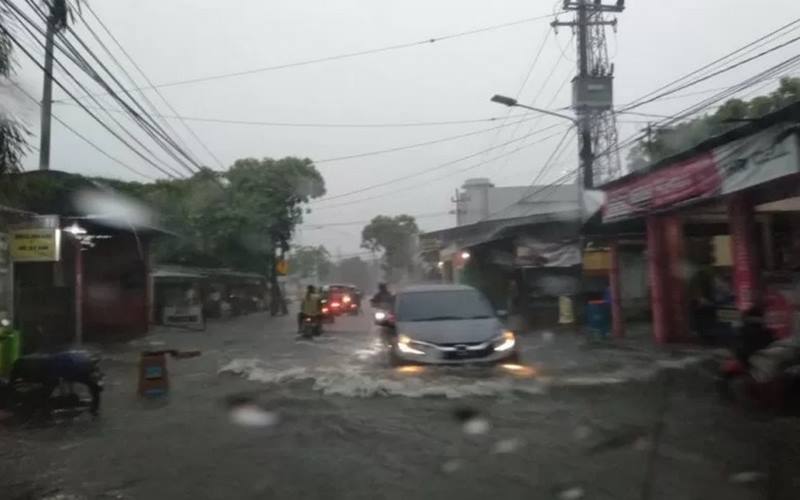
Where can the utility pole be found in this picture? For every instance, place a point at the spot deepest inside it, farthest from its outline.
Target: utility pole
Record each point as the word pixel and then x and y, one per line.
pixel 47 91
pixel 592 90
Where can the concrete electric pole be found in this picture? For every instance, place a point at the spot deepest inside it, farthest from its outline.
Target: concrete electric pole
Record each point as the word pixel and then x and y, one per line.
pixel 47 91
pixel 592 90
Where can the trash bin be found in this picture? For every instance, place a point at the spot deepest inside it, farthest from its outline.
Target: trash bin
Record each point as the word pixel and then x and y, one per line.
pixel 9 350
pixel 598 318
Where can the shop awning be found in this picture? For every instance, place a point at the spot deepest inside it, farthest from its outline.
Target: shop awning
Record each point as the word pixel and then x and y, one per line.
pixel 471 235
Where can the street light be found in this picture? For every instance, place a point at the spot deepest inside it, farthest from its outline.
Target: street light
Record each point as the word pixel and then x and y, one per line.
pixel 512 103
pixel 587 158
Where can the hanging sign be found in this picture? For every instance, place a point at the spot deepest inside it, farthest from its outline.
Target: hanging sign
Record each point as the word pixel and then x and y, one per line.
pixel 35 245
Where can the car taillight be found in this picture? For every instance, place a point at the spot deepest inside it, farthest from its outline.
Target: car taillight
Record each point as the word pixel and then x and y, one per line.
pixel 324 310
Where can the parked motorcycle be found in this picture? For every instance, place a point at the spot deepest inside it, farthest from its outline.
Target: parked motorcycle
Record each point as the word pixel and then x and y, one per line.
pixel 761 370
pixel 43 383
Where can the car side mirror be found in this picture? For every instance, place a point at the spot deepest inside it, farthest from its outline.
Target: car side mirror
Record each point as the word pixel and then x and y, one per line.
pixel 502 313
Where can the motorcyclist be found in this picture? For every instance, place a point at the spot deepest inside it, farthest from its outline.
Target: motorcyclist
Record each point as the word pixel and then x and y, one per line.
pixel 383 299
pixel 309 308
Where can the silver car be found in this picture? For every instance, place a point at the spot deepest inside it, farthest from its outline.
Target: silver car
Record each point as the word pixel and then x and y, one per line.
pixel 445 324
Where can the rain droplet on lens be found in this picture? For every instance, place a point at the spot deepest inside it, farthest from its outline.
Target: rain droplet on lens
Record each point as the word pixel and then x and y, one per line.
pixel 507 446
pixel 250 415
pixel 574 493
pixel 476 426
pixel 746 477
pixel 452 466
pixel 581 432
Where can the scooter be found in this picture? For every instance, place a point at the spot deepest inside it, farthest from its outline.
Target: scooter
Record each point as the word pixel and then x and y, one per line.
pixel 312 326
pixel 46 382
pixel 736 383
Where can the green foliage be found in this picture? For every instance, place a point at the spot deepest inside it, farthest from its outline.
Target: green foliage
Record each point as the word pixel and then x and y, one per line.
pixel 13 145
pixel 394 236
pixel 668 141
pixel 307 262
pixel 236 218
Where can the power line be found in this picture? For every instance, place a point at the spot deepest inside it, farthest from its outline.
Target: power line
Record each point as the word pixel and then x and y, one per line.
pixel 85 139
pixel 528 74
pixel 130 79
pixel 346 55
pixel 658 94
pixel 147 123
pixel 95 117
pixel 323 124
pixel 437 167
pixel 557 152
pixel 447 176
pixel 419 144
pixel 359 222
pixel 765 75
pixel 149 82
pixel 25 21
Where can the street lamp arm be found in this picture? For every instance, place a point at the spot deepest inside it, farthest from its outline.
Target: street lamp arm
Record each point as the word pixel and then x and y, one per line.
pixel 510 102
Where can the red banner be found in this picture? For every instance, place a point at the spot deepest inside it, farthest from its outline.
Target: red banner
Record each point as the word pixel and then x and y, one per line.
pixel 693 179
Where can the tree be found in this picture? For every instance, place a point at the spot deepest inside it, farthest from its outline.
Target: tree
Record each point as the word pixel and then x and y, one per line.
pixel 394 236
pixel 307 262
pixel 667 141
pixel 238 218
pixel 13 144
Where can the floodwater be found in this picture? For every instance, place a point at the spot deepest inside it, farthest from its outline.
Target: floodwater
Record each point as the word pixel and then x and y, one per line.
pixel 262 415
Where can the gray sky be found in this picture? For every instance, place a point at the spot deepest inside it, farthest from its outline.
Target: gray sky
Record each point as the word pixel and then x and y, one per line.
pixel 172 40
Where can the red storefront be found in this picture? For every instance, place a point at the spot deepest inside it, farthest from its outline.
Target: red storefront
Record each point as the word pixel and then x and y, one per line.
pixel 729 208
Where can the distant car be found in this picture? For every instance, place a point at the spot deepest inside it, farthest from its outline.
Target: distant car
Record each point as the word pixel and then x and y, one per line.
pixel 445 324
pixel 341 299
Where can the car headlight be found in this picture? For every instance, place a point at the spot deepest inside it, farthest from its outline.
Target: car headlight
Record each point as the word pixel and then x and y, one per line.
pixel 507 340
pixel 404 344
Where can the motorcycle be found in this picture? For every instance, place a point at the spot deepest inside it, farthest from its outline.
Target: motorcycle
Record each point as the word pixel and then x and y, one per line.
pixel 312 326
pixel 46 382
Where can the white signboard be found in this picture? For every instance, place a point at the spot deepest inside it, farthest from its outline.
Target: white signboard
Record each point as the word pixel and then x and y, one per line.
pixel 185 316
pixel 764 157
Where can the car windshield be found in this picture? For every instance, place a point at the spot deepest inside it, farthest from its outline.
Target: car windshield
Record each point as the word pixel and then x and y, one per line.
pixel 317 247
pixel 442 305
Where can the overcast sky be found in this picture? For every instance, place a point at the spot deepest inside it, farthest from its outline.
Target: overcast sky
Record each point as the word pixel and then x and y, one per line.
pixel 448 80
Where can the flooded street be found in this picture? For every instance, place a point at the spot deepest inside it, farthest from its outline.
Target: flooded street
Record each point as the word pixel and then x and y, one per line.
pixel 262 415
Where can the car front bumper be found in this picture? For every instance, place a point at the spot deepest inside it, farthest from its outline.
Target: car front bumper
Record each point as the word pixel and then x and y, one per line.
pixel 434 356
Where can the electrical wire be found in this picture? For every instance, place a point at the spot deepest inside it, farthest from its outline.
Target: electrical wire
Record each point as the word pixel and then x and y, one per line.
pixel 149 125
pixel 419 144
pixel 447 176
pixel 535 99
pixel 85 139
pixel 648 97
pixel 356 223
pixel 715 73
pixel 25 22
pixel 556 153
pixel 346 55
pixel 149 82
pixel 766 75
pixel 322 124
pixel 27 53
pixel 432 169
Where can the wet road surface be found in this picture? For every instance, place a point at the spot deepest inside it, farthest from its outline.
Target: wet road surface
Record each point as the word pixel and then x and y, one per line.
pixel 329 419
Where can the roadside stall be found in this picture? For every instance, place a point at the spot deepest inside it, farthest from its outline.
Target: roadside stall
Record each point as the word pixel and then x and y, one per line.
pixel 721 226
